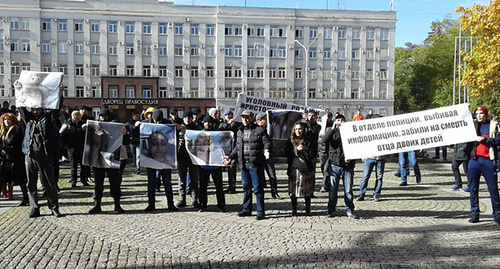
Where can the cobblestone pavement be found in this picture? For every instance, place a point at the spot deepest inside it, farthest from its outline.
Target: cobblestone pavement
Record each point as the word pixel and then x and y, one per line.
pixel 418 226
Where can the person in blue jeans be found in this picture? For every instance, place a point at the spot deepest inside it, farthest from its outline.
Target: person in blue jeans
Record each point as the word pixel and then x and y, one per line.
pixel 339 168
pixel 370 163
pixel 411 158
pixel 482 162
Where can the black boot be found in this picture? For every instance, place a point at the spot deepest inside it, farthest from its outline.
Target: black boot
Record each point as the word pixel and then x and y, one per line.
pixel 274 193
pixel 24 191
pixel 118 208
pixel 97 207
pixel 308 205
pixel 294 205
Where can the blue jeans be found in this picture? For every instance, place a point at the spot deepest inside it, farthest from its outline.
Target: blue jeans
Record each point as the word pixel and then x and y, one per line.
pixel 166 176
pixel 486 167
pixel 253 177
pixel 136 156
pixel 336 173
pixel 367 171
pixel 404 159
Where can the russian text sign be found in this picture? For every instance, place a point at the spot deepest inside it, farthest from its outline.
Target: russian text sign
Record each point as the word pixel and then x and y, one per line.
pixel 413 131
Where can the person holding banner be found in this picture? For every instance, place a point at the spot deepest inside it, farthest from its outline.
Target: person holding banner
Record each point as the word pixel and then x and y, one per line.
pixel 301 153
pixel 252 149
pixel 482 162
pixel 340 168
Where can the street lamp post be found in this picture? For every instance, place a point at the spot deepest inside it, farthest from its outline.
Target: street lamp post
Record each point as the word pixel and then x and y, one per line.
pixel 306 78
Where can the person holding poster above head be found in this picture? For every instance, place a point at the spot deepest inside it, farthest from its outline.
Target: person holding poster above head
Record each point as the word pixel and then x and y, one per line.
pixel 483 162
pixel 252 149
pixel 40 144
pixel 340 168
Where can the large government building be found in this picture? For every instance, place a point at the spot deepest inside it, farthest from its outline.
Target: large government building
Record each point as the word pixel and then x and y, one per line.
pixel 133 54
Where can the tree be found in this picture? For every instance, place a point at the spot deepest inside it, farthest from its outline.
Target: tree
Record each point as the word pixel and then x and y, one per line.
pixel 483 66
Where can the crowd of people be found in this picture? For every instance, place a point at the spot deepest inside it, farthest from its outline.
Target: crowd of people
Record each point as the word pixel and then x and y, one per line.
pixel 32 142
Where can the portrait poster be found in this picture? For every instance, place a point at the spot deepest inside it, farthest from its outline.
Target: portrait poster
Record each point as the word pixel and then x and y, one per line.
pixel 158 146
pixel 38 89
pixel 103 141
pixel 208 147
pixel 280 123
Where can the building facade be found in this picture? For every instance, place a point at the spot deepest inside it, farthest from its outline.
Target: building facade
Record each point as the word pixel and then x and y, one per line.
pixel 188 57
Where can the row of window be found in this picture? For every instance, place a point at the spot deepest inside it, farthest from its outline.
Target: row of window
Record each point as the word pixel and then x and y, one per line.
pixel 229 30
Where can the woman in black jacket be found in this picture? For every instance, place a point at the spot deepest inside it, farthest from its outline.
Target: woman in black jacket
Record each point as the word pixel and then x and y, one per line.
pixel 12 170
pixel 300 153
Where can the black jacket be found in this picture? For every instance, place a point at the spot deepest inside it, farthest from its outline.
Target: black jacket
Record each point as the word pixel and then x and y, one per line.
pixel 306 156
pixel 335 151
pixel 259 141
pixel 133 132
pixel 182 153
pixel 72 135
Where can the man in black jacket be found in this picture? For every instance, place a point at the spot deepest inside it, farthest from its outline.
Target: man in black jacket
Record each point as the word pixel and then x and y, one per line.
pixel 230 124
pixel 73 138
pixel 132 127
pixel 313 129
pixel 252 149
pixel 339 168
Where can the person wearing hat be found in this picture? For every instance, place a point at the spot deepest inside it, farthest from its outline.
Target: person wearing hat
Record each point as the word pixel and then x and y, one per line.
pixel 270 168
pixel 197 117
pixel 229 124
pixel 174 116
pixel 185 165
pixel 483 162
pixel 253 147
pixel 133 126
pixel 148 113
pixel 340 168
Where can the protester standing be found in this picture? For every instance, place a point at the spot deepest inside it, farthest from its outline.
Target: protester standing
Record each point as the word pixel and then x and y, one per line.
pixel 133 131
pixel 270 167
pixel 461 157
pixel 73 139
pixel 230 124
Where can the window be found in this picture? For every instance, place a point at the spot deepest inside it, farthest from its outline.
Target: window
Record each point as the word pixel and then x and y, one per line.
pixel 15 70
pixel 260 51
pixel 112 26
pixel 369 94
pixel 383 94
pixel 313 32
pixel 341 54
pixel 46 46
pixel 129 27
pixel 178 71
pixel 250 73
pixel 129 49
pixel 356 34
pixel 210 93
pixel 282 32
pixel 228 30
pixel 355 54
pixel 311 93
pixel 96 92
pixel 26 67
pixel 178 92
pixel 162 28
pixel 251 31
pixel 178 29
pixel 146 49
pixel 162 49
pixel 260 31
pixel 194 50
pixel 328 33
pixel 129 91
pixel 94 26
pixel 162 92
pixel 95 49
pixel 210 72
pixel 25 45
pixel 355 74
pixel 342 33
pixel 370 34
pixel 25 24
pixel 228 52
pixel 79 70
pixel 63 47
pixel 228 93
pixel 272 93
pixel 369 54
pixel 146 71
pixel 178 50
pixel 383 74
pixel 238 30
pixel 340 74
pixel 195 29
pixel 312 53
pixel 79 48
pixel 95 71
pixel 78 26
pixel 210 29
pixel 354 94
pixel 238 51
pixel 113 70
pixel 63 69
pixel 250 51
pixel 312 73
pixel 79 92
pixel 327 53
pixel 113 91
pixel 299 32
pixel 298 73
pixel 281 72
pixel 237 72
pixel 383 54
pixel 14 45
pixel 282 93
pixel 112 49
pixel 273 31
pixel 210 51
pixel 282 52
pixel 162 71
pixel 369 74
pixel 298 94
pixel 273 51
pixel 228 72
pixel 272 73
pixel 327 74
pixel 298 53
pixel 194 72
pixel 1 47
pixel 46 24
pixel 129 71
pixel 260 72
pixel 384 34
pixel 147 92
pixel 146 28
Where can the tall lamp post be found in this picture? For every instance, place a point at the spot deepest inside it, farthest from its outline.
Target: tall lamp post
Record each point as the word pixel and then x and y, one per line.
pixel 306 78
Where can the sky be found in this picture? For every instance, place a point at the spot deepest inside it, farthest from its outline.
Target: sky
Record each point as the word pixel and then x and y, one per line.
pixel 414 16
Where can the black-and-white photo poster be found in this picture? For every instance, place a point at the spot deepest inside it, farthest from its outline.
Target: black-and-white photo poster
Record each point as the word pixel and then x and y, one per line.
pixel 103 141
pixel 158 146
pixel 208 147
pixel 38 89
